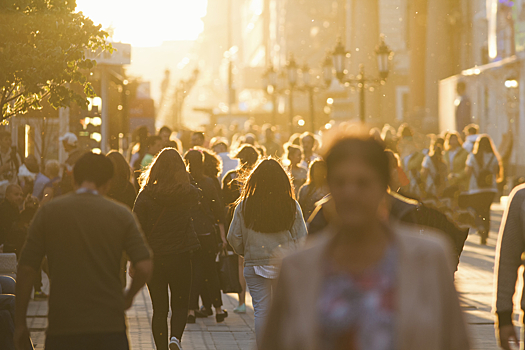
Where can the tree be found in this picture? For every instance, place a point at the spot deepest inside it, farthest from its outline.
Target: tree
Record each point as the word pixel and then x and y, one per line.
pixel 43 46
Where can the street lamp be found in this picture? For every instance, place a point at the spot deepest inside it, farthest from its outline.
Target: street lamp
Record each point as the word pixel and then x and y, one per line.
pixel 306 74
pixel 339 57
pixel 310 89
pixel 287 81
pixel 328 70
pixel 291 68
pixel 383 54
pixel 270 81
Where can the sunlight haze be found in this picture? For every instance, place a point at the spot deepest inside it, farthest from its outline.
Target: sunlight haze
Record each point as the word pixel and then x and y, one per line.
pixel 149 23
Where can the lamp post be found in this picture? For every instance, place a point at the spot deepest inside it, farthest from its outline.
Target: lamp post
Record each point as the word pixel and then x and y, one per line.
pixel 270 84
pixel 286 81
pixel 291 68
pixel 339 55
pixel 328 68
pixel 310 89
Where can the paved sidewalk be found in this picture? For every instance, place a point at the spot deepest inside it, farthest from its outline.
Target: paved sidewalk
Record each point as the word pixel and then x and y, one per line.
pixel 474 280
pixel 236 332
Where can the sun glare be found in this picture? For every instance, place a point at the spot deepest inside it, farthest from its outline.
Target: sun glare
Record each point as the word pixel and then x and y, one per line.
pixel 147 23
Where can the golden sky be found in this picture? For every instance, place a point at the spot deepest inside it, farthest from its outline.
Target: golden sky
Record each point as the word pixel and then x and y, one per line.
pixel 144 23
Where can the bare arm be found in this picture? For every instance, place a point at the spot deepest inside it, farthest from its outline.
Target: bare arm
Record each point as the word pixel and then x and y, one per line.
pixel 468 171
pixel 424 173
pixel 142 273
pixel 25 279
pixel 235 237
pixel 223 236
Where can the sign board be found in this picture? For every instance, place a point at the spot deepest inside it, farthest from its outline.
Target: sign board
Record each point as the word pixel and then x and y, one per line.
pixel 119 57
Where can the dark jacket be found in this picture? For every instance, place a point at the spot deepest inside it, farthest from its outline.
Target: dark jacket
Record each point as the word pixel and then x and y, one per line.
pixel 9 215
pixel 408 211
pixel 210 210
pixel 208 214
pixel 166 220
pixel 124 193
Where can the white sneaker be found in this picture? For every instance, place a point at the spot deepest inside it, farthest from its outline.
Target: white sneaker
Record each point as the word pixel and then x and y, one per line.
pixel 175 344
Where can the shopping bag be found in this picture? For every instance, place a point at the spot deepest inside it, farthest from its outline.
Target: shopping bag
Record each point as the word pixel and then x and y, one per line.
pixel 229 272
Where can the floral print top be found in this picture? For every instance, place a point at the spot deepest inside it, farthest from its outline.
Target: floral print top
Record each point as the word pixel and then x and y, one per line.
pixel 359 312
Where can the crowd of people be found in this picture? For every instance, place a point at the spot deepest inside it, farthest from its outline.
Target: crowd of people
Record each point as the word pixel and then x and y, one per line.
pixel 461 179
pixel 198 197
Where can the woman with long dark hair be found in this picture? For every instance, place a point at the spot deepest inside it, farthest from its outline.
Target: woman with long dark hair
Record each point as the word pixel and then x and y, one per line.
pixel 231 186
pixel 163 208
pixel 231 190
pixel 208 217
pixel 267 224
pixel 121 190
pixel 314 189
pixel 485 171
pixel 212 167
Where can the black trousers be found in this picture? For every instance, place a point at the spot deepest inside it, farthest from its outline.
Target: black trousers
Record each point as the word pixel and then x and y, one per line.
pixel 205 281
pixel 38 279
pixel 97 341
pixel 173 271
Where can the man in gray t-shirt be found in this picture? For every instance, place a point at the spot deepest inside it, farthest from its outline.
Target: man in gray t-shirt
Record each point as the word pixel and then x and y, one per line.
pixel 83 235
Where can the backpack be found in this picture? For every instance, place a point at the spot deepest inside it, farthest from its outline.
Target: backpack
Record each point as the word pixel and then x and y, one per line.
pixel 484 178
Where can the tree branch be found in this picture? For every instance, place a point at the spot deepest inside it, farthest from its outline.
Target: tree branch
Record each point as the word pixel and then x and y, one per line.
pixel 5 117
pixel 14 97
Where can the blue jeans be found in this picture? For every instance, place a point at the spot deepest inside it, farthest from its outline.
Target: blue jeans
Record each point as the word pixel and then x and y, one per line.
pixel 261 291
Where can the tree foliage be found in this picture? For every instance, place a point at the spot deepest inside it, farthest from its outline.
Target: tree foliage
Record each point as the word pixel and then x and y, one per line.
pixel 43 46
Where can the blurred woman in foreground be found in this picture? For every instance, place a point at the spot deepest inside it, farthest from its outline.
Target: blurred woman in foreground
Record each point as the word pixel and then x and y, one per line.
pixel 368 283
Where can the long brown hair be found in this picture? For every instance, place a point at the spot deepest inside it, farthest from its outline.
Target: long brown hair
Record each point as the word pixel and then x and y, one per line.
pixel 484 144
pixel 268 202
pixel 122 171
pixel 195 161
pixel 450 135
pixel 166 174
pixel 212 164
pixel 316 175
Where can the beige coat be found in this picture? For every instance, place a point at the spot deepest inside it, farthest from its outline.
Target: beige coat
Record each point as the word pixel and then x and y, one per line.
pixel 429 315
